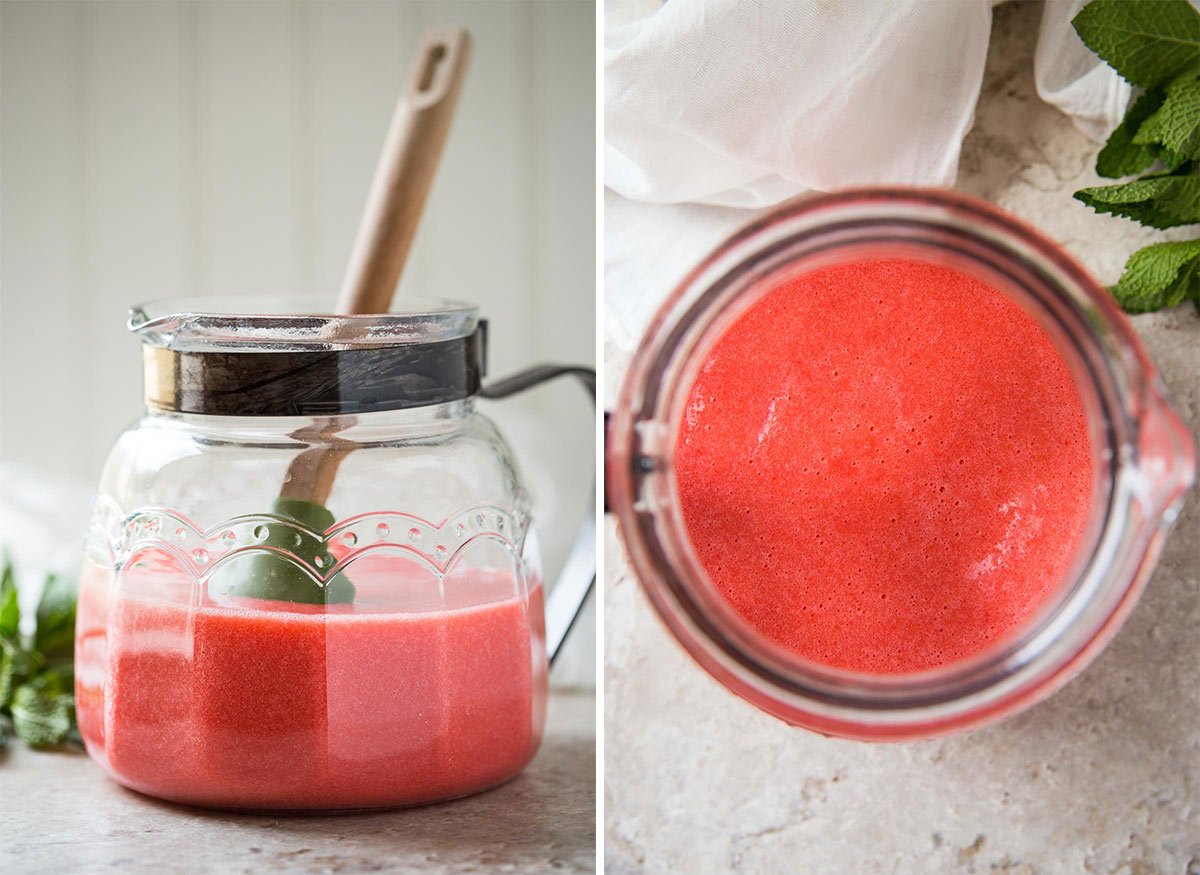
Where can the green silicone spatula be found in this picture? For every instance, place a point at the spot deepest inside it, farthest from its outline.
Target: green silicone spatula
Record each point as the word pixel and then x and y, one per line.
pixel 403 176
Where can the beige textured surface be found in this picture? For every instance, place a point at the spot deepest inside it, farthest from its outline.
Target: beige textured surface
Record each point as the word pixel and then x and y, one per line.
pixel 61 814
pixel 1104 777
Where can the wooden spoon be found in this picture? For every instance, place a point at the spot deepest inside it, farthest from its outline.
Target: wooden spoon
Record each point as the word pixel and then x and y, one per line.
pixel 411 153
pixel 403 177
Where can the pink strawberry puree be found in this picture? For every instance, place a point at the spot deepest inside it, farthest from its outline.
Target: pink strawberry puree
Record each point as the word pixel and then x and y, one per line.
pixel 400 698
pixel 885 466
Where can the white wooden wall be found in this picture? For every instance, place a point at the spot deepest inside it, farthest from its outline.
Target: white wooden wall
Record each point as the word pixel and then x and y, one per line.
pixel 161 149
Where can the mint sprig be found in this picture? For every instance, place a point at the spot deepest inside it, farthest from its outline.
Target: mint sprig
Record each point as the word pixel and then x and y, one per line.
pixel 42 712
pixel 1148 42
pixel 1157 201
pixel 1175 126
pixel 1156 46
pixel 1162 275
pixel 37 674
pixel 1121 156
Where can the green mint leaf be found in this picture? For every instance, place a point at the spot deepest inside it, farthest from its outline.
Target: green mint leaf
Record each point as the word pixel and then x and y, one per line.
pixel 1173 161
pixel 55 635
pixel 63 670
pixel 10 609
pixel 1180 199
pixel 1176 124
pixel 1158 276
pixel 1148 42
pixel 1121 155
pixel 37 675
pixel 52 682
pixel 25 661
pixel 7 675
pixel 1186 286
pixel 1157 201
pixel 41 717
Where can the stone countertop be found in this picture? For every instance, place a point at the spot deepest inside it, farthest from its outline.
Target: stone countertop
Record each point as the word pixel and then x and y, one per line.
pixel 60 813
pixel 1103 777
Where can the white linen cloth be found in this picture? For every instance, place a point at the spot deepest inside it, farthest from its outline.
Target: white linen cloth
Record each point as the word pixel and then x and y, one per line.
pixel 749 102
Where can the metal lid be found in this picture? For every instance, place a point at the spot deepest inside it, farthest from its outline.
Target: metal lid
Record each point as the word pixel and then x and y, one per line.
pixel 276 358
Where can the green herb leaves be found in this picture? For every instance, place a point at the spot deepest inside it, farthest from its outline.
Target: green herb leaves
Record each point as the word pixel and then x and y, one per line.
pixel 1175 126
pixel 1121 156
pixel 37 675
pixel 1154 45
pixel 1147 42
pixel 55 635
pixel 42 713
pixel 1158 201
pixel 1162 275
pixel 10 611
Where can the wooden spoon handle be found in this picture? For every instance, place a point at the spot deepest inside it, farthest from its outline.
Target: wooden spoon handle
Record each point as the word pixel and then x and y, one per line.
pixel 311 473
pixel 405 172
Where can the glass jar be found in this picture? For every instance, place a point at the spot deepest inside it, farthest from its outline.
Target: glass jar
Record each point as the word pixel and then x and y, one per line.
pixel 311 579
pixel 1143 457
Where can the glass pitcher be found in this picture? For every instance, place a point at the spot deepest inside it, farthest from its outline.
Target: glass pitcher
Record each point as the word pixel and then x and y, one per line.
pixel 1142 454
pixel 312 580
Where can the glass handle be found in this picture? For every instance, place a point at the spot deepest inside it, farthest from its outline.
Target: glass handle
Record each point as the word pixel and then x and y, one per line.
pixel 578 576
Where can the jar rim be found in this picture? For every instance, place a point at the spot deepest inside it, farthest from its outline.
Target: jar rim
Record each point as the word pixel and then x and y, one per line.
pixel 852 704
pixel 294 324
